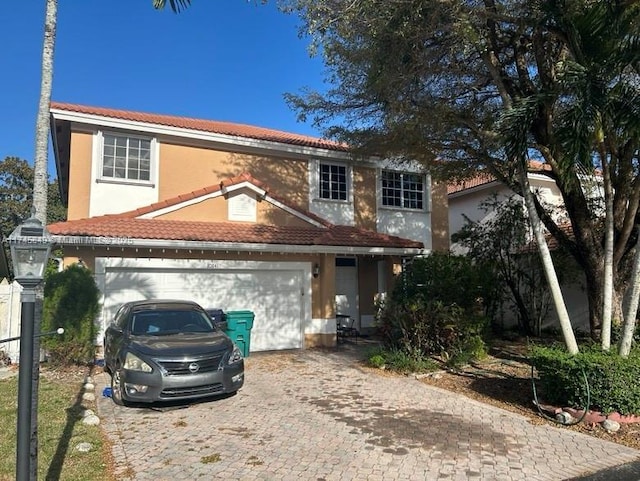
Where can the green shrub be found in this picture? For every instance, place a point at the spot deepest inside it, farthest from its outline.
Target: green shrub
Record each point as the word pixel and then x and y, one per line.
pixel 421 328
pixel 71 301
pixel 473 348
pixel 377 361
pixel 612 379
pixel 401 361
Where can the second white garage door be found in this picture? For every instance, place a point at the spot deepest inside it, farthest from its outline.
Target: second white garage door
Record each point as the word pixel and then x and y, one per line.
pixel 275 293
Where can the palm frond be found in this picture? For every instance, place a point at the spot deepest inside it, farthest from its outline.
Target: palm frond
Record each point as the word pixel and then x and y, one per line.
pixel 176 5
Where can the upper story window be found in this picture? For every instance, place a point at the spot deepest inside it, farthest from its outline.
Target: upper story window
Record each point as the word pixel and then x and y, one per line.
pixel 403 190
pixel 333 181
pixel 126 158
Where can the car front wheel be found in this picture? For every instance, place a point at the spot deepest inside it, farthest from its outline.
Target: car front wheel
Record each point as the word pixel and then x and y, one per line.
pixel 117 387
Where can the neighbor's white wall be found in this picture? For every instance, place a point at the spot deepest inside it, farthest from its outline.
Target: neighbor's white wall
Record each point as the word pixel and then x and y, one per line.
pixel 10 304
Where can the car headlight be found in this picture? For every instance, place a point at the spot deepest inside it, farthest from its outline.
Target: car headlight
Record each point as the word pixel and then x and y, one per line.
pixel 134 363
pixel 236 355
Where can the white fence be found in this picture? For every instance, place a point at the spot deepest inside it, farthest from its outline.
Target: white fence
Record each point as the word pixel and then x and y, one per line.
pixel 10 318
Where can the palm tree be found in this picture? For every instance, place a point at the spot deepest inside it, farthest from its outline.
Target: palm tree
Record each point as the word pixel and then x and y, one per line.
pixel 600 105
pixel 41 185
pixel 176 5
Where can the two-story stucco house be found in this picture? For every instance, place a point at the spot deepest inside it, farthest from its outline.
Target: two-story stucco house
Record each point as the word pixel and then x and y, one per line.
pixel 234 216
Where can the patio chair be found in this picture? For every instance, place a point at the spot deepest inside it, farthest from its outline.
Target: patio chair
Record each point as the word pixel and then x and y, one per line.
pixel 345 328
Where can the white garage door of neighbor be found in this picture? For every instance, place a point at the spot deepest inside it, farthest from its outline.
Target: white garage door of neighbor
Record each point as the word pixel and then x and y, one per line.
pixel 275 297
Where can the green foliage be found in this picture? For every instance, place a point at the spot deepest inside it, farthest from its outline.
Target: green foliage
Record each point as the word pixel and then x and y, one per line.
pixel 613 380
pixel 400 361
pixel 472 348
pixel 500 242
pixel 16 187
pixel 377 360
pixel 471 87
pixel 437 309
pixel 16 195
pixel 72 302
pixel 450 279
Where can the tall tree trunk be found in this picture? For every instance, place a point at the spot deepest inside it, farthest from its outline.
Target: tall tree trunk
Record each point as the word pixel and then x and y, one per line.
pixel 594 290
pixel 40 163
pixel 40 190
pixel 632 308
pixel 547 261
pixel 607 278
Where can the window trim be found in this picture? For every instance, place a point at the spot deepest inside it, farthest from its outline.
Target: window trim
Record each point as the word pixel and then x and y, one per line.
pixel 425 196
pixel 318 181
pixel 101 178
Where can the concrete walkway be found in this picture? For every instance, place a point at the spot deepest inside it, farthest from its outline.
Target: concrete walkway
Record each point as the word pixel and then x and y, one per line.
pixel 314 415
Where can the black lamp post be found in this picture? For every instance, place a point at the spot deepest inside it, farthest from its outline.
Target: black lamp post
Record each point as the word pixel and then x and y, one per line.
pixel 30 245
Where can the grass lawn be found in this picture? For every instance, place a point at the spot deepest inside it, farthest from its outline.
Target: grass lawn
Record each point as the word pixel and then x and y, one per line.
pixel 60 430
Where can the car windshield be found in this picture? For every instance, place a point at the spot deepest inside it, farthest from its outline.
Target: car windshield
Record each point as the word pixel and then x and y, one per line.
pixel 164 322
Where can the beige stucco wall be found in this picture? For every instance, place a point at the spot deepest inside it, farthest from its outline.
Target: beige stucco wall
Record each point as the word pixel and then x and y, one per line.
pixel 186 168
pixel 216 210
pixel 367 284
pixel 439 217
pixel 364 196
pixel 80 175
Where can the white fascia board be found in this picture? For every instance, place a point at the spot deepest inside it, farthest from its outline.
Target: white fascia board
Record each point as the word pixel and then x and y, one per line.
pixel 197 200
pixel 476 188
pixel 158 129
pixel 263 194
pixel 180 245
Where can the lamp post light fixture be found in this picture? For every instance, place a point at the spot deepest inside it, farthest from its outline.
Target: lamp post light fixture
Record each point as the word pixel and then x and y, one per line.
pixel 30 245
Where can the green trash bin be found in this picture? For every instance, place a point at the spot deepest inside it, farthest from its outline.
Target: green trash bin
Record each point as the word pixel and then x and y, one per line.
pixel 239 324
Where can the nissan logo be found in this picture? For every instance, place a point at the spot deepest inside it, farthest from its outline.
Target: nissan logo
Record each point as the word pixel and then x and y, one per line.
pixel 193 367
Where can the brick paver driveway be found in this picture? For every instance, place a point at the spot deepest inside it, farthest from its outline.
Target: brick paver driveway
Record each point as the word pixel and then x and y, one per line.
pixel 314 415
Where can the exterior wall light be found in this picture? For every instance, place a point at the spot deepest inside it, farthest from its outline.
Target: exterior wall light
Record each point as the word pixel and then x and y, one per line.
pixel 316 270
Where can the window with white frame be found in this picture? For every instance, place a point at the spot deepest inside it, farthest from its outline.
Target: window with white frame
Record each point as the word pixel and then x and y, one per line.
pixel 126 157
pixel 402 189
pixel 333 181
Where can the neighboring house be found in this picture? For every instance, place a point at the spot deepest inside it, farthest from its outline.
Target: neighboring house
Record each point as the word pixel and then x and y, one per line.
pixel 236 217
pixel 465 201
pixel 465 198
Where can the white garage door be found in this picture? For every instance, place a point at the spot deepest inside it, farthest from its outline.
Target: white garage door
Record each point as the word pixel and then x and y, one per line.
pixel 274 295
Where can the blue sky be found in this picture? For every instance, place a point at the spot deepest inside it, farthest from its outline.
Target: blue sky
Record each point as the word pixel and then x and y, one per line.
pixel 228 60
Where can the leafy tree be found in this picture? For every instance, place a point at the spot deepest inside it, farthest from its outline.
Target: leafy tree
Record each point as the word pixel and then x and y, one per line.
pixel 465 85
pixel 16 191
pixel 16 188
pixel 500 241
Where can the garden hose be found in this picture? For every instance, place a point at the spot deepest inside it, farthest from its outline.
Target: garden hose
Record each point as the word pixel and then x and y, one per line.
pixel 545 416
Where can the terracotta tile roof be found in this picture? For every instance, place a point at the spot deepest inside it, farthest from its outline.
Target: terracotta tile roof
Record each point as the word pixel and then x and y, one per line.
pixel 211 126
pixel 128 225
pixel 121 227
pixel 480 179
pixel 484 178
pixel 552 242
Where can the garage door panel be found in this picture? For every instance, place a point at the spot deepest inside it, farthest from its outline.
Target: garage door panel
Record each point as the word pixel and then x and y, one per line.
pixel 275 296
